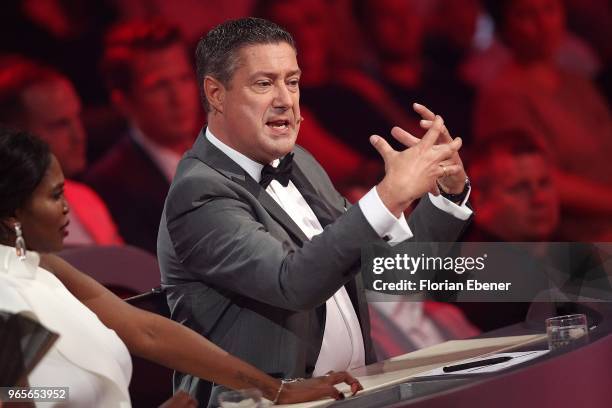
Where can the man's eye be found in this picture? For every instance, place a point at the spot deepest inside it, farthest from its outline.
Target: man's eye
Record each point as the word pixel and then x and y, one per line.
pixel 294 82
pixel 264 84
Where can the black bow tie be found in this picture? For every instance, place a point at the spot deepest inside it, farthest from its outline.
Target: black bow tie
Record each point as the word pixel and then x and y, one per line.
pixel 281 173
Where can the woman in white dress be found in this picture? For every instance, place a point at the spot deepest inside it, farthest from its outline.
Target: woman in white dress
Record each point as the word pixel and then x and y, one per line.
pixel 96 327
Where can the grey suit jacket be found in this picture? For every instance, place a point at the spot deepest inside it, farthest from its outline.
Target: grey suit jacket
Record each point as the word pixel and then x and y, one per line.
pixel 238 270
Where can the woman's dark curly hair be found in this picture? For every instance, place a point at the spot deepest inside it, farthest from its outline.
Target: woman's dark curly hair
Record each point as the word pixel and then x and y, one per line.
pixel 24 160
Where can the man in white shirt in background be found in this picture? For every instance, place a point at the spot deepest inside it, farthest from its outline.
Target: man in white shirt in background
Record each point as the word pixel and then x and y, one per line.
pixel 152 84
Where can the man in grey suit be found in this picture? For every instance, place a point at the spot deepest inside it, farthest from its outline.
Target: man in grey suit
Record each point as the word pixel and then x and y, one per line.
pixel 262 255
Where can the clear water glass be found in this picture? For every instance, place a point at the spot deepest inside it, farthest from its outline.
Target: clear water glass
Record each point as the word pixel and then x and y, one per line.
pixel 564 330
pixel 249 398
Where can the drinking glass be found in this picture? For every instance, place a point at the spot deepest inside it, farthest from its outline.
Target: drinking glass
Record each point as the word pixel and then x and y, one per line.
pixel 563 330
pixel 249 398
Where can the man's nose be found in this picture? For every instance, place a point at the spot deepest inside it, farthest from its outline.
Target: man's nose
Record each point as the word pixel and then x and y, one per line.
pixel 539 196
pixel 282 98
pixel 176 93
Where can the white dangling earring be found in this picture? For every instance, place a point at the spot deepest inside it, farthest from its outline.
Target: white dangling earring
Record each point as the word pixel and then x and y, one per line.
pixel 20 246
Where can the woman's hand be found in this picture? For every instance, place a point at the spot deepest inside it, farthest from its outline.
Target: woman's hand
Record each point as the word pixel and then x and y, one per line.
pixel 318 388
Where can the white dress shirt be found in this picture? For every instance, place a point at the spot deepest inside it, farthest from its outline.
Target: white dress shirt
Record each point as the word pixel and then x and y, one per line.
pixel 342 346
pixel 165 159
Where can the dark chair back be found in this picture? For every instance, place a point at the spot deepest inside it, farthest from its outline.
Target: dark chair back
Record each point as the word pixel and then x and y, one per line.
pixel 125 270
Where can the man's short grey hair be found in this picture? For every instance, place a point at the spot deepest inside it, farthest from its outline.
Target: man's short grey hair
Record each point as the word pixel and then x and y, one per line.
pixel 217 53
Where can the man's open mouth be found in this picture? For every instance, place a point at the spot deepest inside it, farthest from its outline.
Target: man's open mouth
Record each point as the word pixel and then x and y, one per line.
pixel 278 124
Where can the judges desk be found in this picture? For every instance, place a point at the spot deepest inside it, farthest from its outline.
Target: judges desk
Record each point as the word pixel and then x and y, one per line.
pixel 575 376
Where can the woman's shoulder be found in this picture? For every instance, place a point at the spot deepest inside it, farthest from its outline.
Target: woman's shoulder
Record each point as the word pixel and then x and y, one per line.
pixel 52 263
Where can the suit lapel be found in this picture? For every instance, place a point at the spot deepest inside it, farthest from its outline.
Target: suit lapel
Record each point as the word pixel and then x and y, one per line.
pixel 219 161
pixel 272 207
pixel 318 206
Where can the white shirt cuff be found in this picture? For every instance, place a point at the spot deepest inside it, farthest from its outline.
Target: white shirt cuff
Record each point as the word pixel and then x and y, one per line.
pixel 458 211
pixel 393 230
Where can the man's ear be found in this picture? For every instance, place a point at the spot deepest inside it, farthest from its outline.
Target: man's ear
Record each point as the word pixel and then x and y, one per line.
pixel 214 92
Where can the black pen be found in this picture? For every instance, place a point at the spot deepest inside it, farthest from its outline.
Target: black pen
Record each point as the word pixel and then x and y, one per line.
pixel 473 364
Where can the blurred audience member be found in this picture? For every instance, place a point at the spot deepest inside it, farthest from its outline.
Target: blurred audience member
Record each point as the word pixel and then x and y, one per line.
pixel 453 26
pixel 591 20
pixel 514 193
pixel 63 34
pixel 44 101
pixel 516 200
pixel 347 104
pixel 572 54
pixel 451 34
pixel 152 84
pixel 563 111
pixel 396 31
pixel 194 17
